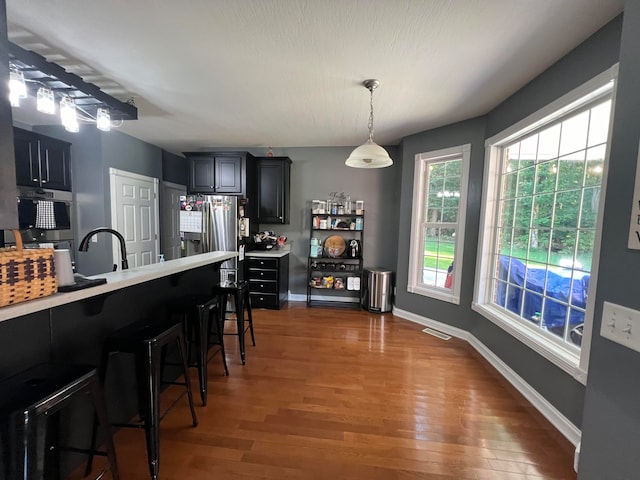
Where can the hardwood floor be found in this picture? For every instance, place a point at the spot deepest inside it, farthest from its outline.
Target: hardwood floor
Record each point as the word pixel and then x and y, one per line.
pixel 350 395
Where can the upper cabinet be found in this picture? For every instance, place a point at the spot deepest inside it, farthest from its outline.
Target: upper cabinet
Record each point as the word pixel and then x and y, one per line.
pixel 42 161
pixel 225 173
pixel 274 179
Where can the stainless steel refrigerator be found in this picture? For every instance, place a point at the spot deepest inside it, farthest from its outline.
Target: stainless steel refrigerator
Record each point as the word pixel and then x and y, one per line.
pixel 210 223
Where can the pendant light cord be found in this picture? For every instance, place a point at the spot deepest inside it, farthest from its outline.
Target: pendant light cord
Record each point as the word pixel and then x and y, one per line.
pixel 371 114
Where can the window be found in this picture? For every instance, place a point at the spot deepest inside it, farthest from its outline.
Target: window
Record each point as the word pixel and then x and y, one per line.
pixel 439 207
pixel 543 185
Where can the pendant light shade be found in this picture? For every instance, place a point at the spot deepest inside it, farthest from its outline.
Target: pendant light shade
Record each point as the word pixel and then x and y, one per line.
pixel 370 154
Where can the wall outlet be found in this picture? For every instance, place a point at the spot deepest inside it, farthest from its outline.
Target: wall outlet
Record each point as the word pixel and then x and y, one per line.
pixel 621 325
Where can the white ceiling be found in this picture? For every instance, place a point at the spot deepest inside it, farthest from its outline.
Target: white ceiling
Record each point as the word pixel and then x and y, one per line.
pixel 254 73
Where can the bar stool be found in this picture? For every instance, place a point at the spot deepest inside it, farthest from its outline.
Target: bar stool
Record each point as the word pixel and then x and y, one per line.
pixel 28 402
pixel 147 341
pixel 241 299
pixel 202 324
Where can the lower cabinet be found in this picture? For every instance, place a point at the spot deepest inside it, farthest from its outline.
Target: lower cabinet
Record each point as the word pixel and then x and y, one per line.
pixel 268 280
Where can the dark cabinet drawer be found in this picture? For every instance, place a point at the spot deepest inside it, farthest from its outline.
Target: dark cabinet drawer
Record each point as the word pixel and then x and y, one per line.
pixel 264 300
pixel 255 274
pixel 261 262
pixel 260 286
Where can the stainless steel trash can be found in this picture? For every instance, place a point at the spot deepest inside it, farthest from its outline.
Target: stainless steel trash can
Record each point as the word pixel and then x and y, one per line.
pixel 378 293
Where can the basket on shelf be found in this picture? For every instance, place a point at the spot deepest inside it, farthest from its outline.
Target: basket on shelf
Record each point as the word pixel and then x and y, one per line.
pixel 26 273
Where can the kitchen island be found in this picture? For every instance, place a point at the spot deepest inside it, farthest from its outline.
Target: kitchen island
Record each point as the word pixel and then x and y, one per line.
pixel 116 281
pixel 71 327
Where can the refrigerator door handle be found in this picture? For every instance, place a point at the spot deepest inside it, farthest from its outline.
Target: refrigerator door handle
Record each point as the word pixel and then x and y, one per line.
pixel 206 227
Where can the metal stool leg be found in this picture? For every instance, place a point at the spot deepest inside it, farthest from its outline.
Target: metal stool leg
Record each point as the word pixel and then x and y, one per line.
pixel 151 407
pixel 101 414
pixel 239 304
pixel 201 337
pixel 216 321
pixel 185 370
pixel 247 301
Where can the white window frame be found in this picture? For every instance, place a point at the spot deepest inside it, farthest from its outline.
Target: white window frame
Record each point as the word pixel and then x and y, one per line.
pixel 564 356
pixel 416 252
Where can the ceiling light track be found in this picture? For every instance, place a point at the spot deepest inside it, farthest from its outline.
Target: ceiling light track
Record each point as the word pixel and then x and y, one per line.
pixel 36 69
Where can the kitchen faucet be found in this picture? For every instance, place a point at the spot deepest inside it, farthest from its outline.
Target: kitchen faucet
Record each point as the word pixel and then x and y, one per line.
pixel 84 244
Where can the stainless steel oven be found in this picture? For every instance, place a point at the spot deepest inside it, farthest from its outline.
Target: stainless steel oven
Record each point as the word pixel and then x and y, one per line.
pixel 45 218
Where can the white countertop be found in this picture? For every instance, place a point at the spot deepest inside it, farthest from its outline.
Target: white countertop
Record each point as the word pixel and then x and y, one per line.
pixel 115 281
pixel 273 253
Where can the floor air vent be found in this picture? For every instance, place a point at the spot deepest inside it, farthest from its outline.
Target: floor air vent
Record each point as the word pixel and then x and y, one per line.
pixel 436 333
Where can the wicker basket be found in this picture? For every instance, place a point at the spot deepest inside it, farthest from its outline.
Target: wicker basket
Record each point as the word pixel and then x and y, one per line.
pixel 26 273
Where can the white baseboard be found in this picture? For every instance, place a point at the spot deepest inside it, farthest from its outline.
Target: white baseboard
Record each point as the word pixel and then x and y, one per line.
pixel 559 421
pixel 296 297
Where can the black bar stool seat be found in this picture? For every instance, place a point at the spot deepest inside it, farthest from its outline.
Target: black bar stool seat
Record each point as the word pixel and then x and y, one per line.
pixel 241 300
pixel 147 341
pixel 203 328
pixel 28 400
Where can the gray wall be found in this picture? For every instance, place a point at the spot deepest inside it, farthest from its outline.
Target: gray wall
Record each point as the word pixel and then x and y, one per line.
pixel 611 427
pixel 593 56
pixel 8 190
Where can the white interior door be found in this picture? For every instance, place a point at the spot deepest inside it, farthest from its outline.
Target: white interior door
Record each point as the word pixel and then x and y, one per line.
pixel 171 193
pixel 134 213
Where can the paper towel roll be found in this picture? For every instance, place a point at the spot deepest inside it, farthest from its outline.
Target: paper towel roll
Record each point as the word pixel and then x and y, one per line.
pixel 64 270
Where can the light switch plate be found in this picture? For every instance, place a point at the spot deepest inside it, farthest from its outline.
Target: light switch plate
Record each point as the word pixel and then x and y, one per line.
pixel 621 325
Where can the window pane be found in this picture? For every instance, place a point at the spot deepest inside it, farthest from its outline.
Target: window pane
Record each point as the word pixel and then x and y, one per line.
pixel 573 136
pixel 546 174
pixel 595 165
pixel 563 243
pixel 512 154
pixel 549 142
pixel 542 210
pixel 599 124
pixel 436 186
pixel 508 213
pixel 586 240
pixel 450 215
pixel 453 168
pixel 539 245
pixel 520 244
pixel 437 170
pixel 526 181
pixel 529 148
pixel 571 170
pixel 510 185
pixel 434 215
pixel 554 315
pixel 505 236
pixel 533 308
pixel 589 212
pixel 523 212
pixel 567 209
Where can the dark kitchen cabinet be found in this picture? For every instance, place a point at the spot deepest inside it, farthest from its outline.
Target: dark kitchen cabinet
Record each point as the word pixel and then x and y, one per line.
pixel 274 181
pixel 268 279
pixel 223 173
pixel 42 161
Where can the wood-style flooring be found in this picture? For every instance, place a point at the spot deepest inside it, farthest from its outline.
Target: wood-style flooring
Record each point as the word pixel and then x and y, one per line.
pixel 330 394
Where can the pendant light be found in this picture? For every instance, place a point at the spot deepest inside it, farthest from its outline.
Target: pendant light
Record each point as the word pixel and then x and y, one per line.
pixel 369 154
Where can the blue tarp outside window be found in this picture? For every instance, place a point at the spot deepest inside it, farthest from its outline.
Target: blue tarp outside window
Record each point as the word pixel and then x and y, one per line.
pixel 523 296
